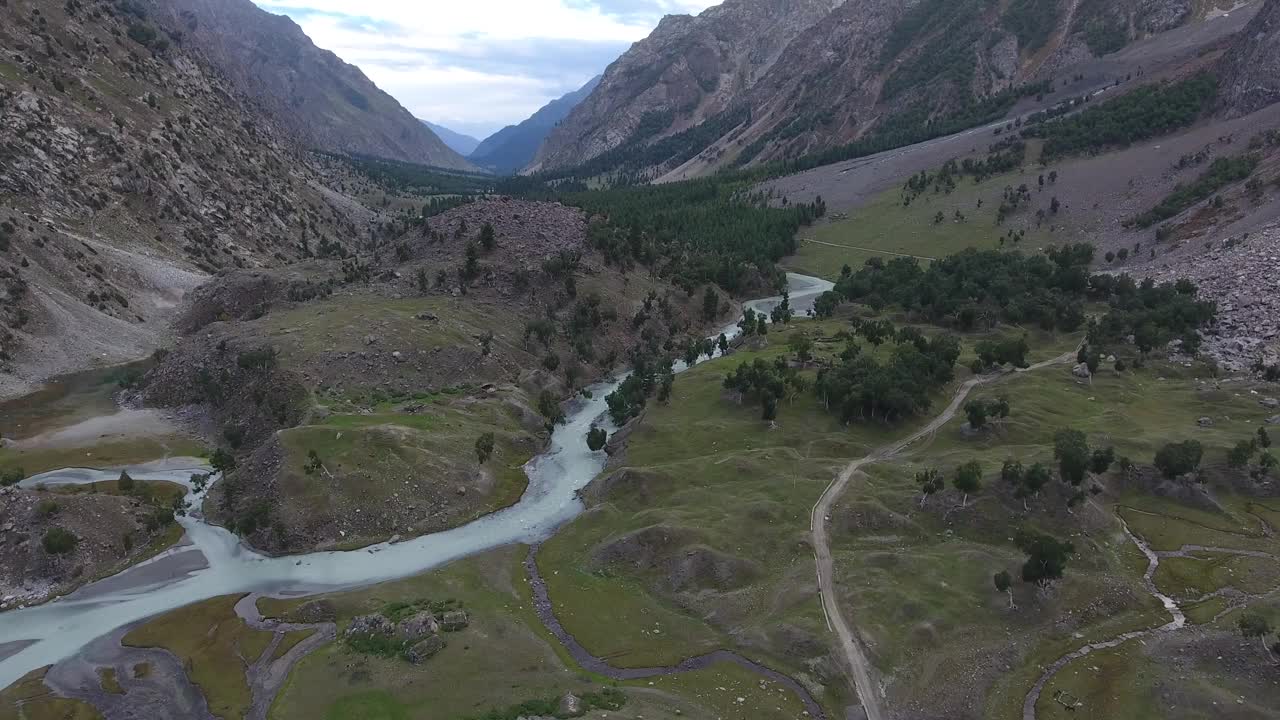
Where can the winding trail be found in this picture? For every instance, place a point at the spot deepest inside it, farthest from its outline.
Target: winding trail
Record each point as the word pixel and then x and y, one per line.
pixel 546 613
pixel 855 658
pixel 1178 621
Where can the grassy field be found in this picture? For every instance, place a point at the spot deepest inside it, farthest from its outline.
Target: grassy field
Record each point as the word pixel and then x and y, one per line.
pixel 389 456
pixel 102 455
pixel 31 699
pixel 214 646
pixel 884 227
pixel 918 582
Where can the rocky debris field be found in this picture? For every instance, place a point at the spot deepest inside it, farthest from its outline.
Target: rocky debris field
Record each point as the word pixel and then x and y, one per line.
pixel 1242 275
pixel 106 530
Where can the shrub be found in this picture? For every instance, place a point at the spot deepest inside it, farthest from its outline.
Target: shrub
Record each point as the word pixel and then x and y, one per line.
pixel 1176 459
pixel 47 508
pixel 58 541
pixel 11 476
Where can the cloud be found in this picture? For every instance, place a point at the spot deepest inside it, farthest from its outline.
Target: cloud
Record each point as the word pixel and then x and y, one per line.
pixel 475 66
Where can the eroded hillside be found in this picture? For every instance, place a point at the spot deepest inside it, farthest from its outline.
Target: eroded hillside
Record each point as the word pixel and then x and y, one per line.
pixel 130 173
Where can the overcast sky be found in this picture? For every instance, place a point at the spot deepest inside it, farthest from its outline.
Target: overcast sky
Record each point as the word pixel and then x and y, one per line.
pixel 477 65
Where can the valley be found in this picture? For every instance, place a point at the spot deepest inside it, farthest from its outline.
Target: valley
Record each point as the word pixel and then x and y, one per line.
pixel 732 405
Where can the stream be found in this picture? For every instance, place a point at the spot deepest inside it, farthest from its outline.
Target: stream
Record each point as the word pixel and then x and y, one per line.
pixel 211 561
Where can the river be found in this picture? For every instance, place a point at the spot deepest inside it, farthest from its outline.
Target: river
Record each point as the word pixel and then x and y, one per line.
pixel 212 562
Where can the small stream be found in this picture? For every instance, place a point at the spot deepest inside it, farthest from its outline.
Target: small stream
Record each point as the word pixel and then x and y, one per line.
pixel 212 562
pixel 1148 580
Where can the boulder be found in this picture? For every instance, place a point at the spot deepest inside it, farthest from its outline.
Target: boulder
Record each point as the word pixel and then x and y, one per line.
pixel 417 627
pixel 570 706
pixel 424 649
pixel 370 625
pixel 1275 420
pixel 1205 422
pixel 1269 403
pixel 454 620
pixel 1081 371
pixel 313 611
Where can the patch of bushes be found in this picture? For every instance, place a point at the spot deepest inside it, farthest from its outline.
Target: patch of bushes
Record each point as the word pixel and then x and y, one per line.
pixel 607 699
pixel 1144 113
pixel 59 541
pixel 1224 171
pixel 1175 459
pixel 11 476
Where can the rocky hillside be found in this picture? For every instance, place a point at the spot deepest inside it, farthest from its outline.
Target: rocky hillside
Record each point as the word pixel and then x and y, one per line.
pixel 1251 70
pixel 758 80
pixel 689 69
pixel 326 103
pixel 513 147
pixel 129 171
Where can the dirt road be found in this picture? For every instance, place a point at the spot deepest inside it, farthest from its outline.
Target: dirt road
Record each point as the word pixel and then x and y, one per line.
pixel 855 658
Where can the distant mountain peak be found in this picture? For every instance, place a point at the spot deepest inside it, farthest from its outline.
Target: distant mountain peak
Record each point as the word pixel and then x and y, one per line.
pixel 513 147
pixel 460 143
pixel 324 102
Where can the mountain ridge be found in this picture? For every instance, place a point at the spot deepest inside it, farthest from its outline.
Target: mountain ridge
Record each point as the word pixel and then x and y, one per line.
pixel 313 94
pixel 514 146
pixel 838 73
pixel 460 143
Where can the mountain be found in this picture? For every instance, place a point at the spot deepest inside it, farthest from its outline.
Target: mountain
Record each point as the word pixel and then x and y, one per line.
pixel 687 70
pixel 514 146
pixel 323 101
pixel 1251 69
pixel 462 144
pixel 752 81
pixel 130 171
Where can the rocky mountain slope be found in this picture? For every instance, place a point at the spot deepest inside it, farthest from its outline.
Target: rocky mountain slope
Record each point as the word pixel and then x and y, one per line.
pixel 462 144
pixel 702 93
pixel 689 69
pixel 514 146
pixel 324 102
pixel 130 171
pixel 1251 70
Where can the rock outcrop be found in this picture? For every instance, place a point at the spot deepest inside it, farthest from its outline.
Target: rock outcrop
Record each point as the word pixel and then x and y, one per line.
pixel 1241 275
pixel 1251 69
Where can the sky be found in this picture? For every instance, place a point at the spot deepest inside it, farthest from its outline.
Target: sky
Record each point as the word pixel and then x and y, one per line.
pixel 475 66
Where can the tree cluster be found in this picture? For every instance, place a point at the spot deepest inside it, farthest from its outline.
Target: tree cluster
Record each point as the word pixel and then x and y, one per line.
pixel 766 382
pixel 1143 113
pixel 861 388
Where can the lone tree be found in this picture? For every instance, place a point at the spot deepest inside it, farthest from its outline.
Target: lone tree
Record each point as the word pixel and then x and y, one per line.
pixel 596 438
pixel 1102 460
pixel 1240 455
pixel 710 304
pixel 968 480
pixel 1004 583
pixel 1175 459
pixel 1253 624
pixel 1033 481
pixel 221 461
pixel 125 483
pixel 930 482
pixel 976 411
pixel 802 346
pixel 1046 557
pixel 484 447
pixel 1071 450
pixel 487 237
